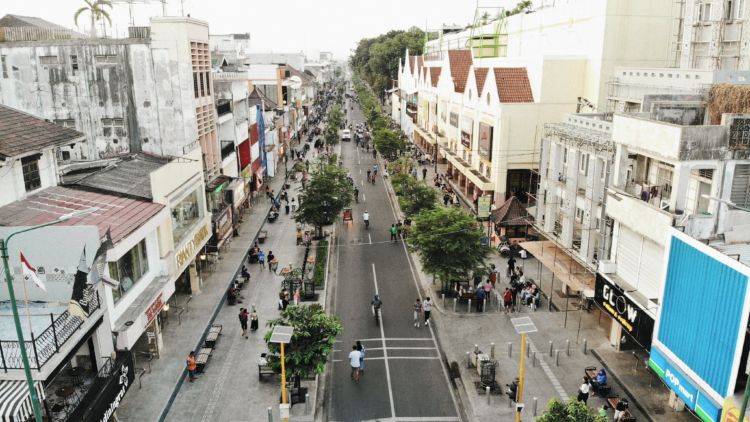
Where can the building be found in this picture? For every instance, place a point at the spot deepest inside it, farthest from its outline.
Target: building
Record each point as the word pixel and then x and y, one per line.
pixel 235 47
pixel 29 153
pixel 139 100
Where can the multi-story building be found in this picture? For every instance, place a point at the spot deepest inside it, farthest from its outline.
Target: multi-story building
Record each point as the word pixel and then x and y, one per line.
pixel 235 47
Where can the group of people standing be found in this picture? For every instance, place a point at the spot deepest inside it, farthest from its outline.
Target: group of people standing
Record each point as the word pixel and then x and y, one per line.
pixel 400 230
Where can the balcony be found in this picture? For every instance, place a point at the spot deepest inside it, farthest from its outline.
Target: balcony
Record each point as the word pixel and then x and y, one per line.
pixel 638 215
pixel 42 348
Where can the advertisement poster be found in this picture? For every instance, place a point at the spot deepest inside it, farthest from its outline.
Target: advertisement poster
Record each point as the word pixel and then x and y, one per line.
pixel 731 412
pixel 485 141
pixel 467 130
pixel 454 119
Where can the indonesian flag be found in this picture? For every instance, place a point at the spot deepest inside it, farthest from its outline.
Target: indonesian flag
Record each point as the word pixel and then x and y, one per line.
pixel 29 273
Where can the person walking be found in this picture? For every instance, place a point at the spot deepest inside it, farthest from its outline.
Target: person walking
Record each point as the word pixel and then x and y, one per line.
pixel 286 206
pixel 354 356
pixel 511 266
pixel 583 391
pixel 243 321
pixel 254 319
pixel 261 260
pixel 394 232
pixel 361 350
pixel 424 173
pixel 191 365
pixel 271 257
pixel 427 308
pixel 507 300
pixel 294 205
pixel 417 310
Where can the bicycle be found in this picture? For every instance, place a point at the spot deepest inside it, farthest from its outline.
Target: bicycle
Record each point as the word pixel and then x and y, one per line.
pixel 376 313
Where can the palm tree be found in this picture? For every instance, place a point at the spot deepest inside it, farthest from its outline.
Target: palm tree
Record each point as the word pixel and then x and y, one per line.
pixel 96 11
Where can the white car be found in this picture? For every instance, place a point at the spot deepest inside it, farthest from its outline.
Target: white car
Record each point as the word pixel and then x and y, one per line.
pixel 346 135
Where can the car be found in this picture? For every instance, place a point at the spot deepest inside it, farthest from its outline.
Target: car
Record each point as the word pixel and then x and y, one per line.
pixel 346 135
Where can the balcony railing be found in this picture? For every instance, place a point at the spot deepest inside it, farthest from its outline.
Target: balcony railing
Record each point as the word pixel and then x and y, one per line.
pixel 40 349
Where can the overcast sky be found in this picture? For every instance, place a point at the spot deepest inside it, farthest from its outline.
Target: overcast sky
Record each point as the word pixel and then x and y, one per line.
pixel 283 26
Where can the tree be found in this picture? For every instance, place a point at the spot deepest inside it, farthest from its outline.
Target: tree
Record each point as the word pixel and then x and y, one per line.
pixel 325 196
pixel 331 134
pixel 388 142
pixel 416 197
pixel 448 242
pixel 313 339
pixel 571 411
pixel 95 9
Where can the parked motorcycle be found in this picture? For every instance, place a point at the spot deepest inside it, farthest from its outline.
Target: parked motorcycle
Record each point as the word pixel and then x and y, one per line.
pixel 511 390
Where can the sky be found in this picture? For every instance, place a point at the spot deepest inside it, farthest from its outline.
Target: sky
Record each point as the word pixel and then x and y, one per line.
pixel 281 26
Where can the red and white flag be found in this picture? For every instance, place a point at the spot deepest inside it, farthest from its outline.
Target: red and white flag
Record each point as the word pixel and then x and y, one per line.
pixel 29 273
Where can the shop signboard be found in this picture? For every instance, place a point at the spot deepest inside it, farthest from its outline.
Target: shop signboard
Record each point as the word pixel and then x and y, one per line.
pixel 485 141
pixel 104 397
pixel 483 207
pixel 633 318
pixel 187 252
pixel 154 309
pixel 467 130
pixel 731 412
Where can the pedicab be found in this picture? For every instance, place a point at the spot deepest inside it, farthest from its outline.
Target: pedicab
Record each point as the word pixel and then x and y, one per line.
pixel 348 214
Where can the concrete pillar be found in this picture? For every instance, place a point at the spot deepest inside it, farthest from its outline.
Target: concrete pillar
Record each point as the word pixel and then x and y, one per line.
pixel 569 202
pixel 620 166
pixel 544 183
pixel 195 280
pixel 594 187
pixel 680 182
pixel 552 200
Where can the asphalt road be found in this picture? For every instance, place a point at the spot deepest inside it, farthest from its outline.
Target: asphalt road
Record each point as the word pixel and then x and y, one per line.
pixel 404 377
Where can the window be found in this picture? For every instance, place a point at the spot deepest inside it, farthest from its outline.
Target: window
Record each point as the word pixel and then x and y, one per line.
pixel 130 268
pixel 74 64
pixel 195 85
pixel 185 214
pixel 584 164
pixel 31 178
pixel 105 59
pixel 113 126
pixel 69 123
pixel 733 9
pixel 704 12
pixel 49 61
pixel 4 65
pixel 740 194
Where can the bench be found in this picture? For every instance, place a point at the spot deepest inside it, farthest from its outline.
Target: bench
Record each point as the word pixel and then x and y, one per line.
pixel 213 336
pixel 613 402
pixel 202 358
pixel 263 368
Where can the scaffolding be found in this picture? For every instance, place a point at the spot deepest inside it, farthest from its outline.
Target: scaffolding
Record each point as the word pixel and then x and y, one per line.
pixel 493 43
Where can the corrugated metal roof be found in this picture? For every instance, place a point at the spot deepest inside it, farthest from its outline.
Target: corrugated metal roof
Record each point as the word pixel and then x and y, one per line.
pixel 130 176
pixel 119 214
pixel 22 133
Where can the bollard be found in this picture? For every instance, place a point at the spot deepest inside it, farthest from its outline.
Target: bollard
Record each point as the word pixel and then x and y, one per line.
pixel 443 297
pixel 567 347
pixel 528 349
pixel 533 406
pixel 510 349
pixel 455 300
pixel 557 358
pixel 584 347
pixel 270 414
pixel 492 351
pixel 550 348
pixel 468 359
pixel 469 306
pixel 484 305
pixel 307 403
pixel 533 361
pixel 489 397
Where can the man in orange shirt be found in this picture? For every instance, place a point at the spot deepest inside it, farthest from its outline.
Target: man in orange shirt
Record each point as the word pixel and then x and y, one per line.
pixel 191 366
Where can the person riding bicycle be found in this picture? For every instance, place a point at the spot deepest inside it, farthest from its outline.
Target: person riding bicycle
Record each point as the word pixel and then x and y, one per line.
pixel 356 195
pixel 376 303
pixel 366 218
pixel 375 169
pixel 368 175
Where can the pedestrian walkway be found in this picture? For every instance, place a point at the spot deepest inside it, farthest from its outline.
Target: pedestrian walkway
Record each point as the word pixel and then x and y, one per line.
pixel 167 373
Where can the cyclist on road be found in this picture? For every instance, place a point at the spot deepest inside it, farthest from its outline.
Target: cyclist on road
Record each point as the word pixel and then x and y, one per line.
pixel 356 195
pixel 366 218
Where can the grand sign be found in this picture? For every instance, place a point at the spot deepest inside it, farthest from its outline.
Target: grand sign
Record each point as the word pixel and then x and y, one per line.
pixel 187 252
pixel 612 299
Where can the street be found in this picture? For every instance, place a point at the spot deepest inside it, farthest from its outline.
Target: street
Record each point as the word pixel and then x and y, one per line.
pixel 404 375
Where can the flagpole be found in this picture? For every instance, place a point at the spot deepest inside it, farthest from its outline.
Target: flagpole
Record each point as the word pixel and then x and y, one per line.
pixel 26 305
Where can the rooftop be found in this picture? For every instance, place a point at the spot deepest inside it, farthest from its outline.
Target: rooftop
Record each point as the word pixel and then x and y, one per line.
pixel 22 133
pixel 119 214
pixel 460 63
pixel 435 75
pixel 129 175
pixel 480 74
pixel 18 21
pixel 513 85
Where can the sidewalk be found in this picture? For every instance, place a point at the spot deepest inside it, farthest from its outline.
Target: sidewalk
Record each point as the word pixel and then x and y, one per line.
pixel 151 400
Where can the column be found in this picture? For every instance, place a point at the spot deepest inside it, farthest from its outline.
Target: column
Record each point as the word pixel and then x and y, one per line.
pixel 680 181
pixel 195 280
pixel 570 188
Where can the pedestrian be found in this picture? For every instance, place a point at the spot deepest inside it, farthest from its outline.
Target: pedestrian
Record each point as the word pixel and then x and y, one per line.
pixel 446 199
pixel 417 310
pixel 511 265
pixel 424 173
pixel 296 296
pixel 286 207
pixel 191 365
pixel 271 258
pixel 414 172
pixel 374 154
pixel 620 409
pixel 487 290
pixel 394 232
pixel 507 300
pixel 254 319
pixel 243 321
pixel 294 205
pixel 583 390
pixel 261 260
pixel 354 356
pixel 427 307
pixel 480 298
pixel 361 350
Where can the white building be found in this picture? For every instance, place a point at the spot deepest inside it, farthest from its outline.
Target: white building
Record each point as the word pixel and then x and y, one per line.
pixel 235 47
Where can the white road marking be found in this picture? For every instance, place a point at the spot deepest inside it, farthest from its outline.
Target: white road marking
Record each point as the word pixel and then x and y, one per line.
pixel 362 182
pixel 364 197
pixel 389 348
pixel 393 339
pixel 370 237
pixel 385 352
pixel 415 419
pixel 386 359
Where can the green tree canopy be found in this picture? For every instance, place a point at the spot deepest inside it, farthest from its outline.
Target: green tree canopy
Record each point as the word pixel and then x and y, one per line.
pixel 388 142
pixel 570 411
pixel 96 11
pixel 313 339
pixel 325 196
pixel 416 197
pixel 448 242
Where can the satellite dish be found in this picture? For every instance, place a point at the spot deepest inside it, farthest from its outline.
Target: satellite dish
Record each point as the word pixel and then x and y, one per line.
pixel 295 82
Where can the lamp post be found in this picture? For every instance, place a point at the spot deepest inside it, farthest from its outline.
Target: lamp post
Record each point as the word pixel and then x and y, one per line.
pixel 282 334
pixel 14 307
pixel 523 326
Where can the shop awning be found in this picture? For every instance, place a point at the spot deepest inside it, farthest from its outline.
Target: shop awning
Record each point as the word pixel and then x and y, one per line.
pixel 427 137
pixel 15 401
pixel 478 180
pixel 562 265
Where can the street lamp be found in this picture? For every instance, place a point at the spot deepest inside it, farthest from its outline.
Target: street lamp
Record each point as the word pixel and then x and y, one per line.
pixel 12 296
pixel 523 326
pixel 282 334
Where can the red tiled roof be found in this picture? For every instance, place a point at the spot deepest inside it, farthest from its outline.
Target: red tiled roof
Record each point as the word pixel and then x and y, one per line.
pixel 21 133
pixel 119 214
pixel 513 85
pixel 411 64
pixel 480 74
pixel 460 63
pixel 435 75
pixel 511 213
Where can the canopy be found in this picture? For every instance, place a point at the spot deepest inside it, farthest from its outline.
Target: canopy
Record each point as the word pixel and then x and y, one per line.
pixel 15 402
pixel 511 213
pixel 562 265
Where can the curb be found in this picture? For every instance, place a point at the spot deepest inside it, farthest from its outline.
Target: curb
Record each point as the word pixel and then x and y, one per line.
pixel 178 385
pixel 622 385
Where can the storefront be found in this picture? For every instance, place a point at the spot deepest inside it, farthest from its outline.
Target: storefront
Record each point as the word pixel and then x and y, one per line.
pixel 631 319
pixel 107 390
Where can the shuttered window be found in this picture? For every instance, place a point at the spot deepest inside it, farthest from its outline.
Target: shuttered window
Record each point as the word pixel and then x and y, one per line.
pixel 639 262
pixel 740 184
